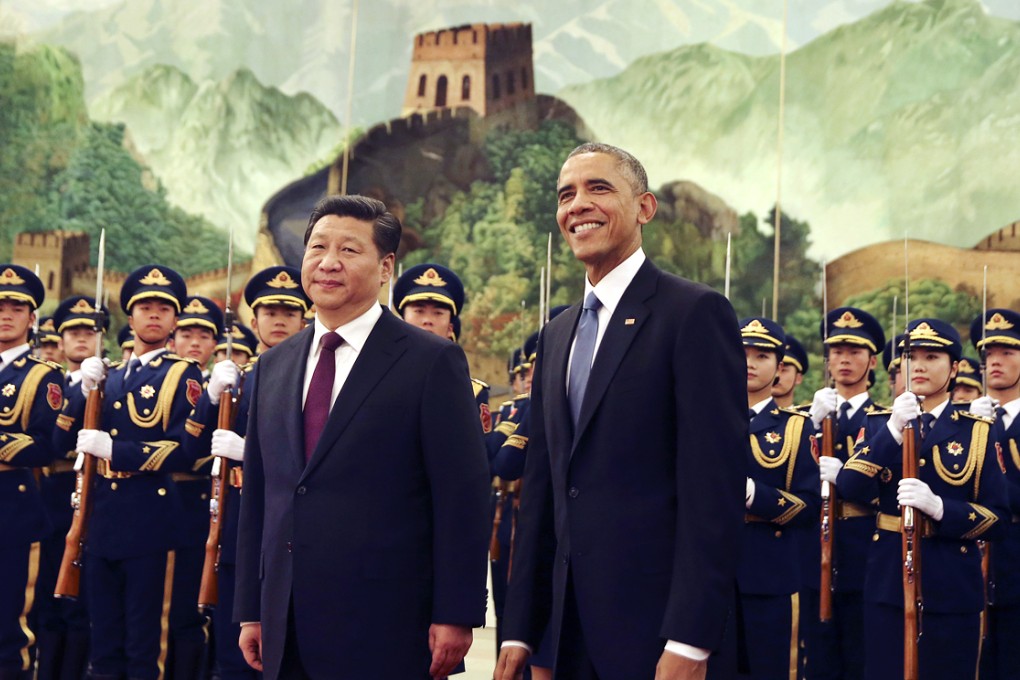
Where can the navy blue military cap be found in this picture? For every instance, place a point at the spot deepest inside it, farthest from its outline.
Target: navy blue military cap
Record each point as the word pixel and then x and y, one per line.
pixel 78 310
pixel 277 285
pixel 153 281
pixel 201 312
pixel 757 331
pixel 48 330
pixel 969 373
pixel 531 349
pixel 21 285
pixel 934 334
pixel 517 362
pixel 891 356
pixel 796 355
pixel 1001 327
pixel 243 340
pixel 429 283
pixel 126 338
pixel 853 326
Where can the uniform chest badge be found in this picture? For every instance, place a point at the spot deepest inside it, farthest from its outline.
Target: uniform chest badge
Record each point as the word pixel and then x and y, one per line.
pixel 8 390
pixel 773 437
pixel 147 392
pixel 954 448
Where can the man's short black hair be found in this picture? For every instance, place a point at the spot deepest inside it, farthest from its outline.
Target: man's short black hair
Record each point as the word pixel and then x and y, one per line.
pixel 630 165
pixel 386 227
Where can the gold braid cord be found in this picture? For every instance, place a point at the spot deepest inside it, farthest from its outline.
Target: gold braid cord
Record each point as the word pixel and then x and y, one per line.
pixel 164 402
pixel 974 462
pixel 26 395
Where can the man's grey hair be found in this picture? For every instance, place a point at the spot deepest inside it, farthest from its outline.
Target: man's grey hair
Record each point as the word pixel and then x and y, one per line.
pixel 626 161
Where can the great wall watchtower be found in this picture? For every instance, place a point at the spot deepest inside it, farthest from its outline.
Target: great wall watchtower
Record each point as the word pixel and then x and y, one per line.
pixel 485 67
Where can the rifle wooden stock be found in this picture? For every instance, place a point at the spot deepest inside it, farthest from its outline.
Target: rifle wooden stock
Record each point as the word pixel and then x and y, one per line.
pixel 986 566
pixel 911 527
pixel 69 577
pixel 208 591
pixel 497 520
pixel 828 526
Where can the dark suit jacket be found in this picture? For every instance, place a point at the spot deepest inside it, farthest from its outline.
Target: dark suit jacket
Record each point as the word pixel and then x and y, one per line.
pixel 643 504
pixel 385 530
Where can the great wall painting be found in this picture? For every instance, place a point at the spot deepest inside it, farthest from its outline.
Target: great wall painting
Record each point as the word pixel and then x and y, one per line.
pixel 898 121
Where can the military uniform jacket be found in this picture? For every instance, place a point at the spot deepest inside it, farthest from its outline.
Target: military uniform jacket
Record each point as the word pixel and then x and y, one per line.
pixel 30 399
pixel 958 461
pixel 786 496
pixel 1004 581
pixel 508 442
pixel 198 442
pixel 145 416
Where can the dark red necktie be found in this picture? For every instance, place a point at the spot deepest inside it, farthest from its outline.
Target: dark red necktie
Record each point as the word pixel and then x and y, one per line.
pixel 320 390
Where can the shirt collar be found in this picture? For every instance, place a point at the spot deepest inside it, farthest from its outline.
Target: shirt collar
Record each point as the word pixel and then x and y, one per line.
pixel 148 356
pixel 9 355
pixel 937 411
pixel 355 332
pixel 612 286
pixel 1012 408
pixel 855 402
pixel 760 406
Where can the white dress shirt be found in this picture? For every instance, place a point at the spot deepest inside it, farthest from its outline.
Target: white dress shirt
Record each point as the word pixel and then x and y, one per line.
pixel 1011 409
pixel 856 402
pixel 354 333
pixel 9 355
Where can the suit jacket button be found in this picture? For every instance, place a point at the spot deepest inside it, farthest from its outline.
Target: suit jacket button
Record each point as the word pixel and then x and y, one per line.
pixel 566 559
pixel 573 492
pixel 301 491
pixel 290 548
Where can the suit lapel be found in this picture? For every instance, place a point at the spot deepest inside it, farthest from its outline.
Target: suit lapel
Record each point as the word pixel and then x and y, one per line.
pixel 556 341
pixel 384 346
pixel 291 383
pixel 624 325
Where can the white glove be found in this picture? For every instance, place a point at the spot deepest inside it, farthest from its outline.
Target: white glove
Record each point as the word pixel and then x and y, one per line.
pixel 823 403
pixel 916 494
pixel 224 376
pixel 96 442
pixel 829 467
pixel 749 493
pixel 93 372
pixel 228 444
pixel 984 406
pixel 905 408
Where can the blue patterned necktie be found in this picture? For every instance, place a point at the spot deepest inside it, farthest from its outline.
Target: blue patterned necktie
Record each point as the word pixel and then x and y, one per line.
pixel 584 352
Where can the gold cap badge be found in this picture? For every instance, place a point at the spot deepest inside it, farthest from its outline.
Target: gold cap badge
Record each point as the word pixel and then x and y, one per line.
pixel 9 278
pixel 282 280
pixel 195 307
pixel 847 320
pixel 430 278
pixel 154 278
pixel 82 306
pixel 997 322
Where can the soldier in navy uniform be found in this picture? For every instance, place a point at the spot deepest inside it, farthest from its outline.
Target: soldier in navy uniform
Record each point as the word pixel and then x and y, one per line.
pixel 960 493
pixel 243 345
pixel 782 493
pixel 891 362
pixel 136 510
pixel 853 340
pixel 49 341
pixel 194 338
pixel 791 373
pixel 272 292
pixel 997 337
pixel 968 380
pixel 63 634
pixel 126 342
pixel 30 399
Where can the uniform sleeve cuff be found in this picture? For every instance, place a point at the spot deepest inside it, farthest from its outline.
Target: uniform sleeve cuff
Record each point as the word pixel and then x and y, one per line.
pixel 689 651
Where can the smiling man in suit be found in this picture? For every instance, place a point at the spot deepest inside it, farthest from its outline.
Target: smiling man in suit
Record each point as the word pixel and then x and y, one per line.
pixel 633 486
pixel 363 533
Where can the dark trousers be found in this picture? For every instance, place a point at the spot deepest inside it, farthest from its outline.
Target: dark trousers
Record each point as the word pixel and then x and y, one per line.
pixel 130 611
pixel 62 625
pixel 1000 658
pixel 948 648
pixel 834 647
pixel 572 659
pixel 187 624
pixel 229 659
pixel 18 568
pixel 771 635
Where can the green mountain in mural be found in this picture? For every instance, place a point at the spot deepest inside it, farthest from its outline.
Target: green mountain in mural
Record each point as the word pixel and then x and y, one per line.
pixel 220 148
pixel 905 120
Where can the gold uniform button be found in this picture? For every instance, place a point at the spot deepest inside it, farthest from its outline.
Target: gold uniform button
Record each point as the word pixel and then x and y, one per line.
pixel 779 534
pixel 963 549
pixel 161 491
pixel 205 497
pixel 22 488
pixel 113 486
pixel 113 432
pixel 922 462
pixel 116 404
pixel 874 536
pixel 146 411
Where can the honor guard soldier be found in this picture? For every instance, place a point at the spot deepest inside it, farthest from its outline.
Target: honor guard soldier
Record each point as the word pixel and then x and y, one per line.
pixel 49 341
pixel 960 496
pixel 891 362
pixel 279 305
pixel 968 380
pixel 30 399
pixel 997 337
pixel 781 494
pixel 126 342
pixel 194 338
pixel 853 339
pixel 791 373
pixel 136 511
pixel 244 344
pixel 63 635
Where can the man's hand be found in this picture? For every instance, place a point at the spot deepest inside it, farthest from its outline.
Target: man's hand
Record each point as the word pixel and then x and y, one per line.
pixel 224 376
pixel 828 468
pixel 914 493
pixel 822 404
pixel 512 660
pixel 449 645
pixel 227 444
pixel 93 372
pixel 250 642
pixel 678 667
pixel 96 442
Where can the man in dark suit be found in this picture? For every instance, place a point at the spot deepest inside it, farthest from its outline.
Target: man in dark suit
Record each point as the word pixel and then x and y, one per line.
pixel 363 533
pixel 633 488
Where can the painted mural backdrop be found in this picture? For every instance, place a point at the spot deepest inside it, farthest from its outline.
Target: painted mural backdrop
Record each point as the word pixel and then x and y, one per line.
pixel 169 121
